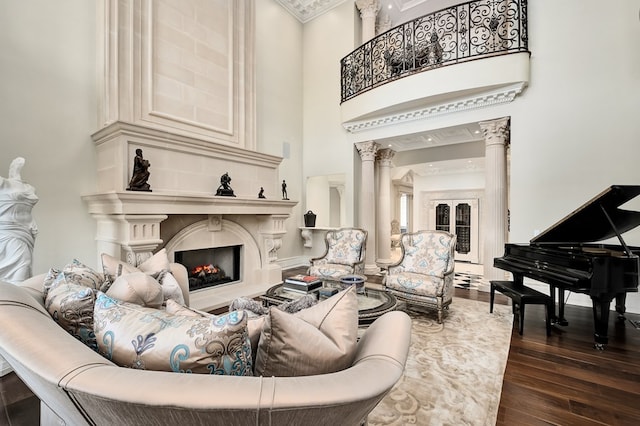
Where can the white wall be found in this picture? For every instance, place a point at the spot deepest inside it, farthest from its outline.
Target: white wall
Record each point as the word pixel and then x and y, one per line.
pixel 47 114
pixel 279 108
pixel 327 39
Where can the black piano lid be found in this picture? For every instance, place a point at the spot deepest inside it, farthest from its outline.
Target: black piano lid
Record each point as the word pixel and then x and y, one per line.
pixel 596 220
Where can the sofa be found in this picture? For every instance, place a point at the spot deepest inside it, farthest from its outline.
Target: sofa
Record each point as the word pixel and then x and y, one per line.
pixel 76 385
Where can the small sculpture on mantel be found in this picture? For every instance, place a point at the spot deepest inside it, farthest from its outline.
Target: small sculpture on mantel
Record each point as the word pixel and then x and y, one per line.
pixel 284 190
pixel 261 193
pixel 225 186
pixel 140 174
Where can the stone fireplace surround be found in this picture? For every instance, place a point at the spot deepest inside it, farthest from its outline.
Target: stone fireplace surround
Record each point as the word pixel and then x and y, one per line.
pixel 181 212
pixel 179 83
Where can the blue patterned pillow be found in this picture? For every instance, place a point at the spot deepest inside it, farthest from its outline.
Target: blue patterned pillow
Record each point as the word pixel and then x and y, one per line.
pixel 151 339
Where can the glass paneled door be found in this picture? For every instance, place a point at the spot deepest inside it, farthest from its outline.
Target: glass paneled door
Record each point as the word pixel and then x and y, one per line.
pixel 460 217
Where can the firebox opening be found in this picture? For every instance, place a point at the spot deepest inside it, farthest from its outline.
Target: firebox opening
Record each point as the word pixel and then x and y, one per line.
pixel 210 267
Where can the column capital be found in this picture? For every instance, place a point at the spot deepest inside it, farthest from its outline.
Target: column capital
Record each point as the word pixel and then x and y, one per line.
pixel 368 8
pixel 496 132
pixel 367 150
pixel 385 156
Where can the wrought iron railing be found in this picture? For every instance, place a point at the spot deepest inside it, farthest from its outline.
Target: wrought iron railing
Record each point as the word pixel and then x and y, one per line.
pixel 472 30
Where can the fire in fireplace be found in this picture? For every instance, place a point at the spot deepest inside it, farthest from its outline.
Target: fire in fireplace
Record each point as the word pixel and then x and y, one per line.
pixel 211 266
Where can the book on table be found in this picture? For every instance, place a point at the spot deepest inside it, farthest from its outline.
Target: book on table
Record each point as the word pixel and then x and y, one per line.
pixel 302 283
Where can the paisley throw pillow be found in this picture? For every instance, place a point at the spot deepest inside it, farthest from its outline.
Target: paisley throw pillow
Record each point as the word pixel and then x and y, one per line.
pixel 145 338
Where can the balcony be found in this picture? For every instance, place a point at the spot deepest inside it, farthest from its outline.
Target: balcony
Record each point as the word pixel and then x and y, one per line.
pixel 461 57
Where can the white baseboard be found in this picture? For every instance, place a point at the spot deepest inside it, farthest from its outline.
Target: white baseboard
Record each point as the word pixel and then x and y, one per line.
pixel 5 368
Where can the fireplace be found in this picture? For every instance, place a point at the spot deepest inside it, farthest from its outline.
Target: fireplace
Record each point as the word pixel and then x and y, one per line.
pixel 210 267
pixel 189 148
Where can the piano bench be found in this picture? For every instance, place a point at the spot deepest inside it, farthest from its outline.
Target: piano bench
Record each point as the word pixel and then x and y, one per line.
pixel 520 296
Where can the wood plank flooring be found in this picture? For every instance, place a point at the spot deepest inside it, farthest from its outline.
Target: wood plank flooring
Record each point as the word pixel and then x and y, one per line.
pixel 555 380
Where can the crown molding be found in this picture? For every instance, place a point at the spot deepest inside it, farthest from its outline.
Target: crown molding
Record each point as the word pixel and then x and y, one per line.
pixel 494 97
pixel 306 10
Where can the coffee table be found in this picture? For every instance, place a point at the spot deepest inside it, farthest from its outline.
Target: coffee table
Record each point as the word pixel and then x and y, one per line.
pixel 372 303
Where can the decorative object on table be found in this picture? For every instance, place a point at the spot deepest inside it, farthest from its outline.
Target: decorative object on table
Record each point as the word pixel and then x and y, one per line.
pixel 325 293
pixel 353 280
pixel 284 190
pixel 310 219
pixel 344 254
pixel 424 274
pixel 224 189
pixel 296 305
pixel 302 283
pixel 261 193
pixel 17 227
pixel 140 174
pixel 256 308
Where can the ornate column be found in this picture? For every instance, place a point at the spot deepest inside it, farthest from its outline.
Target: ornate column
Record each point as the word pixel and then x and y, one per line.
pixel 368 12
pixel 496 135
pixel 384 206
pixel 367 151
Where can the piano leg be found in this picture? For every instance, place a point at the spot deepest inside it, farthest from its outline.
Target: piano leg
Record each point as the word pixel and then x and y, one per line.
pixel 559 319
pixel 601 306
pixel 621 305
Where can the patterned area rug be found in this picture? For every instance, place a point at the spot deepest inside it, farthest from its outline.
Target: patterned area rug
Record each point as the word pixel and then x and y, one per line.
pixel 454 371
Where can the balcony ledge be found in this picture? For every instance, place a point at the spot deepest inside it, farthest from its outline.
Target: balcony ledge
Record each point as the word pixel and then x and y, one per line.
pixel 458 87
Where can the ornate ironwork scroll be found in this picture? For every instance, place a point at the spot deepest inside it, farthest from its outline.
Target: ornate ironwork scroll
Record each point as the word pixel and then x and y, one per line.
pixel 455 34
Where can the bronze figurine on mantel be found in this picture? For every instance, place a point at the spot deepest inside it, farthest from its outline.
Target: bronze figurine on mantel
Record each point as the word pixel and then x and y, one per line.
pixel 140 174
pixel 284 190
pixel 261 193
pixel 225 186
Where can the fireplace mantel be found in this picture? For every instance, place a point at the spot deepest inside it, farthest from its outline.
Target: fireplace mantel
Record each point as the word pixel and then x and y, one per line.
pixel 129 222
pixel 134 202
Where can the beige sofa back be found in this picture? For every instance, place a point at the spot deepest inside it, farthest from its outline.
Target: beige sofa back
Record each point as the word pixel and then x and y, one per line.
pixel 78 386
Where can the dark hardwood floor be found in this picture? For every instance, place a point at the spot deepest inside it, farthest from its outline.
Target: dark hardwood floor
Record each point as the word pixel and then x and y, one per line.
pixel 555 380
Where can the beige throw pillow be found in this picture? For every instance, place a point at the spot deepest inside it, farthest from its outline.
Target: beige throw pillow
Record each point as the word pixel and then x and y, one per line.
pixel 318 340
pixel 157 266
pixel 138 288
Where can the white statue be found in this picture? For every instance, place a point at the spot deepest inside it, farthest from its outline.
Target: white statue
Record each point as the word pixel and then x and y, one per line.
pixel 17 227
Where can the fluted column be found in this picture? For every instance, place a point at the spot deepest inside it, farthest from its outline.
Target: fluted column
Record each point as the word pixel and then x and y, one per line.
pixel 384 205
pixel 496 136
pixel 367 151
pixel 368 13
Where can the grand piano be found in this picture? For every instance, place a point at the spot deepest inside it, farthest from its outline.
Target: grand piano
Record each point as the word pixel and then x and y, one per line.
pixel 567 257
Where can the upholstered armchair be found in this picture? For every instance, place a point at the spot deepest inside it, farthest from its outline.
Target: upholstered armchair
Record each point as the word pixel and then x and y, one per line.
pixel 424 274
pixel 344 254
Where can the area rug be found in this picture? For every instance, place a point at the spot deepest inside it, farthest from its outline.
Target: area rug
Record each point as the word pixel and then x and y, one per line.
pixel 454 371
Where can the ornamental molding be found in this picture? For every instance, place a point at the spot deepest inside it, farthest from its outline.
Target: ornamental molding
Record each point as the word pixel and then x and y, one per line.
pixel 495 97
pixel 306 10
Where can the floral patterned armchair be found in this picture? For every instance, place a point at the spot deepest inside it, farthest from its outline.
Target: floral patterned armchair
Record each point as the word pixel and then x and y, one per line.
pixel 344 254
pixel 424 273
